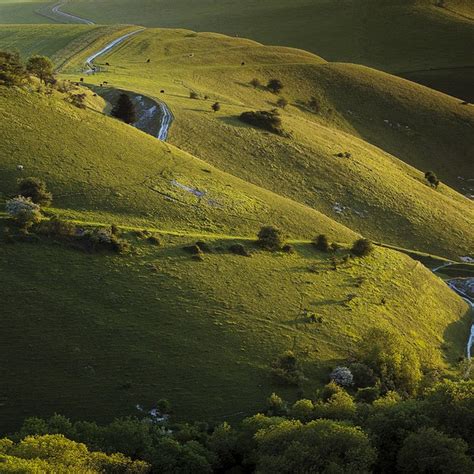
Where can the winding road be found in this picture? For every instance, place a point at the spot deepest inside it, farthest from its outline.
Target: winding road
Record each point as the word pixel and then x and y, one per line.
pixel 56 10
pixel 452 283
pixel 163 113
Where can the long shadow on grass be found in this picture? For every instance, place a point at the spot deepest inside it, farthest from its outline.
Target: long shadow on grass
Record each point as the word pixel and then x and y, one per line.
pixel 456 336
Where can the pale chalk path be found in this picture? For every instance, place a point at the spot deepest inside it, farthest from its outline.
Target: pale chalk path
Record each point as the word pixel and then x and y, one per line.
pixel 56 10
pixel 164 115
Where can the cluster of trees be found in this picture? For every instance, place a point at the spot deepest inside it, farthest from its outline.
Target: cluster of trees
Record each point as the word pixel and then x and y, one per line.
pixel 382 412
pixel 25 208
pixel 14 73
pixel 269 120
pixel 331 433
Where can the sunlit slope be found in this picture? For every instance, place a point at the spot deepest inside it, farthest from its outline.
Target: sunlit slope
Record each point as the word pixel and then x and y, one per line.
pixel 59 42
pixel 91 336
pixel 394 35
pixel 361 111
pixel 99 166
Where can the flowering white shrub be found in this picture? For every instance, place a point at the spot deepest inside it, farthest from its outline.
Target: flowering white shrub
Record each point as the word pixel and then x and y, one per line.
pixel 23 210
pixel 342 376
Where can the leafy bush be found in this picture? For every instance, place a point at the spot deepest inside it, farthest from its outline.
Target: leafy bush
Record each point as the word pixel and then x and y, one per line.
pixel 270 238
pixel 56 227
pixel 239 249
pixel 392 359
pixel 318 446
pixel 432 179
pixel 362 247
pixel 430 451
pixel 265 119
pixel 367 394
pixel 78 100
pixel 286 369
pixel 321 242
pixel 99 239
pixel 275 85
pixel 342 376
pixel 24 211
pixel 282 102
pixel 35 189
pixel 12 72
pixel 256 83
pixel 363 375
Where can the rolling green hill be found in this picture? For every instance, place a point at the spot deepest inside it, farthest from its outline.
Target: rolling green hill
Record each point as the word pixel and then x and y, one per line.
pixel 94 335
pixel 393 35
pixel 388 125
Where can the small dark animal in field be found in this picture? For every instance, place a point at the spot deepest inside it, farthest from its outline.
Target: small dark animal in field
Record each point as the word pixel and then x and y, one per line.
pixel 148 60
pixel 105 82
pixel 95 95
pixel 242 63
pixel 107 64
pixel 81 79
pixel 162 91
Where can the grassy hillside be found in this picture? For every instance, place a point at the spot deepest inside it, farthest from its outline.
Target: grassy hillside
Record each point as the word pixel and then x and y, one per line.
pixel 22 11
pixel 386 124
pixel 394 35
pixel 106 170
pixel 60 42
pixel 91 336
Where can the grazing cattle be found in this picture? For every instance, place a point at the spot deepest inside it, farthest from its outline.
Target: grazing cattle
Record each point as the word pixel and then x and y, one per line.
pixel 107 64
pixel 20 167
pixel 81 79
pixel 242 63
pixel 162 91
pixel 148 60
pixel 105 82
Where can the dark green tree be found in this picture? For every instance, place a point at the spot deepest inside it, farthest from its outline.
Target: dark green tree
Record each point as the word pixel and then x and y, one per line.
pixel 362 247
pixel 270 238
pixel 321 242
pixel 431 452
pixel 318 446
pixel 35 189
pixel 41 67
pixel 124 109
pixel 275 85
pixel 12 72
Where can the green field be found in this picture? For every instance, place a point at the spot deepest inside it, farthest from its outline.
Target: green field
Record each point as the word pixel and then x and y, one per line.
pixel 359 112
pixel 91 335
pixel 394 35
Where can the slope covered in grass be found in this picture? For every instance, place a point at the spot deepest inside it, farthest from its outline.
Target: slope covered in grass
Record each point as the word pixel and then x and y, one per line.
pixel 59 42
pixel 394 35
pixel 91 336
pixel 22 11
pixel 114 172
pixel 387 124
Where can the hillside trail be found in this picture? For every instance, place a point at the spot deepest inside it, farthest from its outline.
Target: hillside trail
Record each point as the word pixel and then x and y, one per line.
pixel 165 117
pixel 56 11
pixel 160 115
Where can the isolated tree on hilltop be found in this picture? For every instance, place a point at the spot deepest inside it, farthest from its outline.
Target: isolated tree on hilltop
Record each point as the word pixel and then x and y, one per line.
pixel 432 179
pixel 124 109
pixel 41 67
